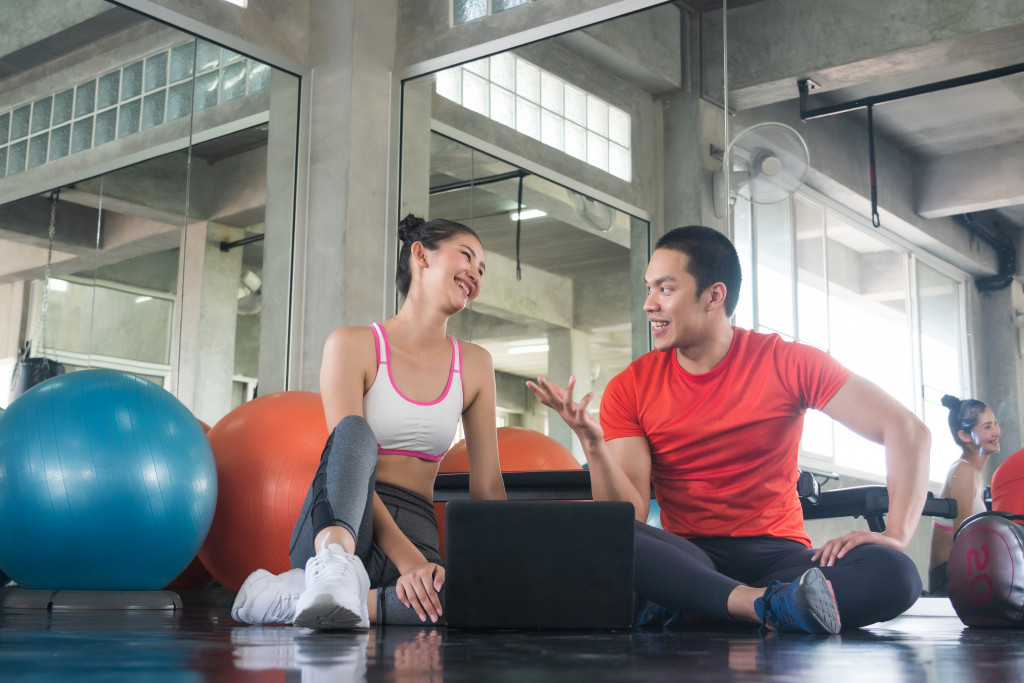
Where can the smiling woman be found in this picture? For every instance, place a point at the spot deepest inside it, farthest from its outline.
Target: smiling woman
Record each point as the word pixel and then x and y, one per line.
pixel 976 431
pixel 393 394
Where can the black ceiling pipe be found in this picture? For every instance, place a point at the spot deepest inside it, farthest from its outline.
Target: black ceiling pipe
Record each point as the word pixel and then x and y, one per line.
pixel 1005 251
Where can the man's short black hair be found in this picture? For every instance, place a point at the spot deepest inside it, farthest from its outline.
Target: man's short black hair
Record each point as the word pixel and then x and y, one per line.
pixel 713 259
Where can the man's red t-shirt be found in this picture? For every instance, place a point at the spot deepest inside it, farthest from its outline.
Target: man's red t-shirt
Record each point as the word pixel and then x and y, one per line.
pixel 724 444
pixel 1007 491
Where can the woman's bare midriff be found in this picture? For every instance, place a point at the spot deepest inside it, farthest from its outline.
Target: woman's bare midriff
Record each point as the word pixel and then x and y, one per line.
pixel 408 472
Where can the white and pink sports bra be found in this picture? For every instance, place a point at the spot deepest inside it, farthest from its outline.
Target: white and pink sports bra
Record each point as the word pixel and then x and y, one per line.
pixel 406 427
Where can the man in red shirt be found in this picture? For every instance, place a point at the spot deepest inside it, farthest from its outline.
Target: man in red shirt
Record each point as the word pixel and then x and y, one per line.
pixel 713 417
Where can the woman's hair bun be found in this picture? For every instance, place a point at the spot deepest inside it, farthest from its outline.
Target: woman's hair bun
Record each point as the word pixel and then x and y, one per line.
pixel 950 401
pixel 407 228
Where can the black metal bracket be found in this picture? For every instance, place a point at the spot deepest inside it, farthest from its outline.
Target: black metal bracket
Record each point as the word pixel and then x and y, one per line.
pixel 806 86
pixel 228 246
pixel 473 182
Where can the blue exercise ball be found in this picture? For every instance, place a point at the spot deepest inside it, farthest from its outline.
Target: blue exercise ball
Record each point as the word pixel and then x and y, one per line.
pixel 654 514
pixel 107 482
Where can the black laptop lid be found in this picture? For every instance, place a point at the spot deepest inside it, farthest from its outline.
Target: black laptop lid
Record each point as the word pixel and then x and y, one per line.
pixel 538 564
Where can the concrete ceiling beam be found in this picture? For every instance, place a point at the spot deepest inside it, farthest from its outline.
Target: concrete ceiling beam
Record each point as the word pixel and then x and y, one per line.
pixel 840 44
pixel 976 180
pixel 642 48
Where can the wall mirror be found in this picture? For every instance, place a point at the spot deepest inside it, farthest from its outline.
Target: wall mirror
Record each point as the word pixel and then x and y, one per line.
pixel 156 156
pixel 907 289
pixel 509 145
pixel 613 116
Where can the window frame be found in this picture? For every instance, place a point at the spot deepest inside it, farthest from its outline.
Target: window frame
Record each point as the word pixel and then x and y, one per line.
pixel 914 256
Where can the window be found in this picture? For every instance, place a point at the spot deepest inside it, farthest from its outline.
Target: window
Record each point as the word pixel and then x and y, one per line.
pixel 517 94
pixel 889 313
pixel 104 310
pixel 943 362
pixel 146 93
pixel 562 268
pixel 468 10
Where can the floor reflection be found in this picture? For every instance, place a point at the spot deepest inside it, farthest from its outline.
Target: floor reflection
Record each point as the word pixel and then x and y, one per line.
pixel 340 656
pixel 205 644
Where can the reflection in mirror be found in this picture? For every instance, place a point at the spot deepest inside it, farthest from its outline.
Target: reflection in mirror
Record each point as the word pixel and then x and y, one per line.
pixel 914 302
pixel 556 298
pixel 160 146
pixel 918 303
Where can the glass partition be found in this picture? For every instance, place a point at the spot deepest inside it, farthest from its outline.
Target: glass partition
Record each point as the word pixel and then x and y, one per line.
pixel 942 358
pixel 563 267
pixel 155 172
pixel 890 298
pixel 815 267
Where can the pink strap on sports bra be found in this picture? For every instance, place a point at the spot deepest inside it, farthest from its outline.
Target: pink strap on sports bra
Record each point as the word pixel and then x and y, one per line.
pixel 412 454
pixel 381 339
pixel 387 385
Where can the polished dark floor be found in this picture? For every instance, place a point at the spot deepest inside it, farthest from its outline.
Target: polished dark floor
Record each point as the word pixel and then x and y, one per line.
pixel 200 642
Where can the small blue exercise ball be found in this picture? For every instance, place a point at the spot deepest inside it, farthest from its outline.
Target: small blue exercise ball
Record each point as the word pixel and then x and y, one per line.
pixel 107 482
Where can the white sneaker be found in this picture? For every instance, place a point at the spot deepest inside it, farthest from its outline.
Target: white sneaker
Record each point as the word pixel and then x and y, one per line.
pixel 268 599
pixel 261 648
pixel 335 594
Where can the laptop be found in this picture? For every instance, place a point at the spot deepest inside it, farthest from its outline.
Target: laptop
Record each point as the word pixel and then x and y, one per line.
pixel 538 564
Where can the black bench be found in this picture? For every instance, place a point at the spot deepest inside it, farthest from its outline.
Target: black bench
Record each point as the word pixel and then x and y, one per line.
pixel 869 502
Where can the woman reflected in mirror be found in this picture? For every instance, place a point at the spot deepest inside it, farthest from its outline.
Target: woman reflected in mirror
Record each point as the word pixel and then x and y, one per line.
pixel 976 431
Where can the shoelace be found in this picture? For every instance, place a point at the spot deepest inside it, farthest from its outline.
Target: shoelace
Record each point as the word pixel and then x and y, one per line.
pixel 773 617
pixel 331 567
pixel 283 606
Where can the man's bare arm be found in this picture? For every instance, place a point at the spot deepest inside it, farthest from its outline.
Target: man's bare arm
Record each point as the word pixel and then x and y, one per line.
pixel 619 469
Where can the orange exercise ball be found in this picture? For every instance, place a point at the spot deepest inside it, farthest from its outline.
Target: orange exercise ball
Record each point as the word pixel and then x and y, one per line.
pixel 195 575
pixel 267 452
pixel 519 450
pixel 1008 485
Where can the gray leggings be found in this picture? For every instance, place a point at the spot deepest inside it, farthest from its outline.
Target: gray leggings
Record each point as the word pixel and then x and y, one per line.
pixel 342 495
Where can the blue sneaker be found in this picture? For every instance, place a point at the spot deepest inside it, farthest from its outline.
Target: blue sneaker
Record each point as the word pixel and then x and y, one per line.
pixel 647 613
pixel 807 605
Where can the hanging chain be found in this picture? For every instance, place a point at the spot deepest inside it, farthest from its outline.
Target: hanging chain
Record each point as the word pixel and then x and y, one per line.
pixel 54 197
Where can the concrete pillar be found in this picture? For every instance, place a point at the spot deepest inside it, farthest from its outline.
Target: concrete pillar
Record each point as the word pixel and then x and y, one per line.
pixel 568 354
pixel 532 420
pixel 352 54
pixel 1001 363
pixel 12 318
pixel 692 126
pixel 416 108
pixel 13 307
pixel 277 247
pixel 203 367
pixel 683 152
pixel 641 243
